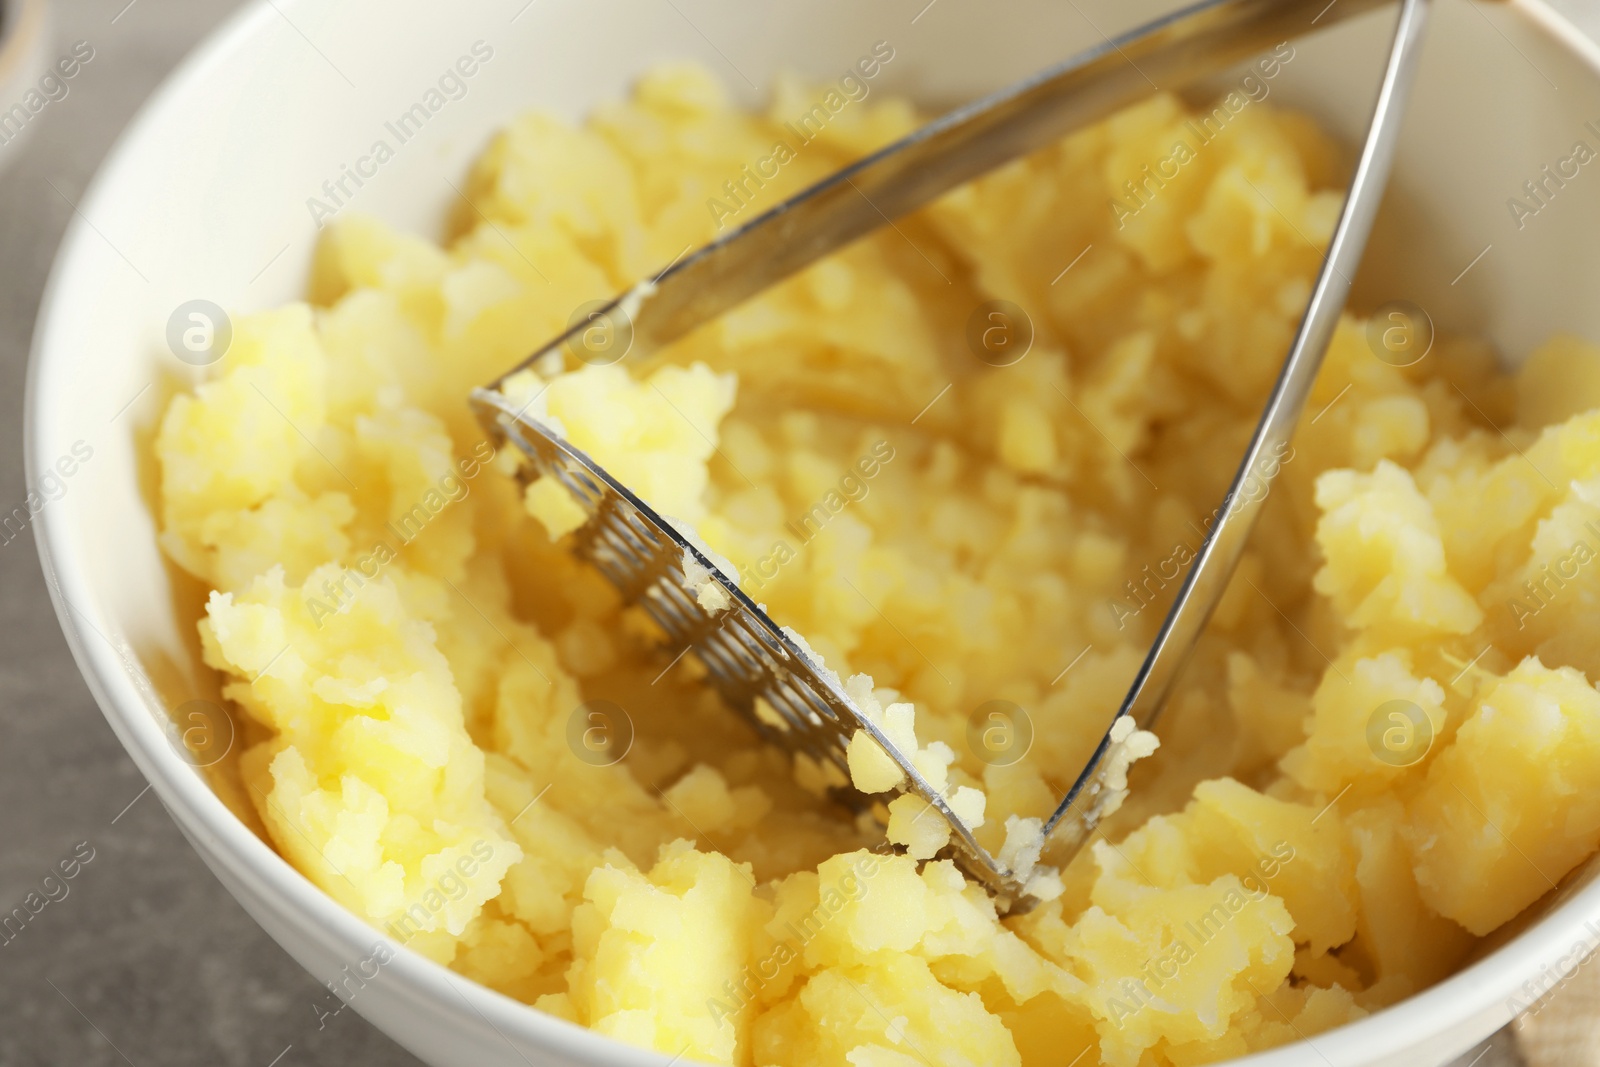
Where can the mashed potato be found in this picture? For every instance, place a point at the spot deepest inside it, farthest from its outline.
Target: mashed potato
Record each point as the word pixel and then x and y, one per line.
pixel 1385 747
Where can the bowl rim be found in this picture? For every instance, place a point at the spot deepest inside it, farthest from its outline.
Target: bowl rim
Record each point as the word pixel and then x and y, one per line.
pixel 1484 989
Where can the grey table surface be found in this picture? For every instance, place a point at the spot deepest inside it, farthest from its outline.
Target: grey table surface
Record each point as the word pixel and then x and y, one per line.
pixel 147 959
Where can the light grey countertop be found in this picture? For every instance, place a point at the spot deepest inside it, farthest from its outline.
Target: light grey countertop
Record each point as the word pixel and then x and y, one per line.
pixel 147 960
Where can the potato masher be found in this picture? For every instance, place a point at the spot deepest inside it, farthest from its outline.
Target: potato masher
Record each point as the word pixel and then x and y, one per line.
pixel 759 667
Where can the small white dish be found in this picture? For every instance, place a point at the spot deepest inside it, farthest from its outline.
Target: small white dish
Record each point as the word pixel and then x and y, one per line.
pixel 29 82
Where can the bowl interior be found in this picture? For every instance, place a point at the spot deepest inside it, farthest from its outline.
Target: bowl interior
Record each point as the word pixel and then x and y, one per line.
pixel 212 195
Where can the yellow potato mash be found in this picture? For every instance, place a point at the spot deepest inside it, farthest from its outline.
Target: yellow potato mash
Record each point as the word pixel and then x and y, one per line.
pixel 1385 748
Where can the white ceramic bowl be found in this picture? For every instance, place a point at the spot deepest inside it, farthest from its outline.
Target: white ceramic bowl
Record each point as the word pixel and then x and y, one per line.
pixel 206 197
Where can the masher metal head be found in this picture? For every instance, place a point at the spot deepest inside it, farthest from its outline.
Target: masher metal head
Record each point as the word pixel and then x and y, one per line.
pixel 751 660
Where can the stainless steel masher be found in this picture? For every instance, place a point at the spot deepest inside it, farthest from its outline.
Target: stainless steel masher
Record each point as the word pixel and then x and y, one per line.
pixel 748 657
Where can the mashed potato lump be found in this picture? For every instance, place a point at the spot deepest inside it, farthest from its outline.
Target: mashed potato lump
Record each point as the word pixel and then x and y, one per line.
pixel 1384 749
